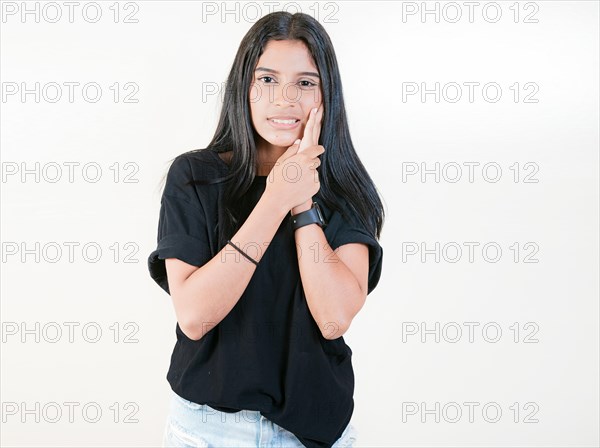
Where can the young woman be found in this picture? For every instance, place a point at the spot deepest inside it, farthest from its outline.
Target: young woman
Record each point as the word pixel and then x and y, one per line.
pixel 267 244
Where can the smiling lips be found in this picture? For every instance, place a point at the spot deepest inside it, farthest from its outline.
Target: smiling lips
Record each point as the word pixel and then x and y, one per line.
pixel 284 122
pixel 284 119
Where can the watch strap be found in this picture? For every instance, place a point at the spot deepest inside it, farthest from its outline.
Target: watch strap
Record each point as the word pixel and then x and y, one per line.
pixel 311 216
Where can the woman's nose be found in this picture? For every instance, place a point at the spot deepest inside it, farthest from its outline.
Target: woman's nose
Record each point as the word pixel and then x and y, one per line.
pixel 285 93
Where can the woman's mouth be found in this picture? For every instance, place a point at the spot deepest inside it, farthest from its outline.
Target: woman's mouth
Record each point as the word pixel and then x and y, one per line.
pixel 284 123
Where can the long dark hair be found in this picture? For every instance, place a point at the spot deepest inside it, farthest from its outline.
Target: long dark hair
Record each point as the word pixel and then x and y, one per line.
pixel 342 174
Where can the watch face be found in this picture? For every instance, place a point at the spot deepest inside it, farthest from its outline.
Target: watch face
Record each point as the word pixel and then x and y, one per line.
pixel 319 212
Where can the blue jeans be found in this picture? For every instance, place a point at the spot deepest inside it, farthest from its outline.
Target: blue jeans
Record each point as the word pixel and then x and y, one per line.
pixel 198 425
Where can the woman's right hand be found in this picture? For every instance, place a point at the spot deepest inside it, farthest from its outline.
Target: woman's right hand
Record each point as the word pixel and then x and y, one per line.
pixel 294 179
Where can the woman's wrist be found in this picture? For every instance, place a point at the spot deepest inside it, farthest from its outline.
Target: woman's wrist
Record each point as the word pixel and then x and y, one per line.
pixel 274 204
pixel 302 207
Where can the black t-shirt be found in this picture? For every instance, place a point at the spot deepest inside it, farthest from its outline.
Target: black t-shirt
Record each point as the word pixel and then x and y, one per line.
pixel 268 353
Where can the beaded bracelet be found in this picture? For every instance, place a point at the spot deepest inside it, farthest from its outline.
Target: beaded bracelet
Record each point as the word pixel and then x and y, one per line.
pixel 243 253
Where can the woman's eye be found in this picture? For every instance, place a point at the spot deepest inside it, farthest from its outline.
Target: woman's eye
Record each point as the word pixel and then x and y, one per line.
pixel 265 77
pixel 309 84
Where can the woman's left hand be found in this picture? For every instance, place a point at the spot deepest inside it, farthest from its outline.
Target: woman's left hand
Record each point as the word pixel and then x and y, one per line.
pixel 312 131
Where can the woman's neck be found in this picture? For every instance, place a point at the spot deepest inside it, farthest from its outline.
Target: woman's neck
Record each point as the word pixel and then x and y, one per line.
pixel 268 155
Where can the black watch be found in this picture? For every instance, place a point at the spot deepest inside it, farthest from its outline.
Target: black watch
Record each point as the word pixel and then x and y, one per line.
pixel 310 216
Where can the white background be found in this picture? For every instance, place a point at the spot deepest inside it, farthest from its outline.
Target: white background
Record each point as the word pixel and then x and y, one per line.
pixel 168 54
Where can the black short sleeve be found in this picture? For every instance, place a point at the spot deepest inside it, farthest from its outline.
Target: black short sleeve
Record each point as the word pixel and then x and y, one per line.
pixel 349 229
pixel 182 225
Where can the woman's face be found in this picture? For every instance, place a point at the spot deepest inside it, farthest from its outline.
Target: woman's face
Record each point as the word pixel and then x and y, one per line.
pixel 285 86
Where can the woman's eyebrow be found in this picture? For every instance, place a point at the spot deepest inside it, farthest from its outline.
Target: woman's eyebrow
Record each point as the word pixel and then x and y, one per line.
pixel 270 70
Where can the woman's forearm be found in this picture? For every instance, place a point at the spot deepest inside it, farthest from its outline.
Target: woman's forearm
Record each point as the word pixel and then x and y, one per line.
pixel 211 292
pixel 332 292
